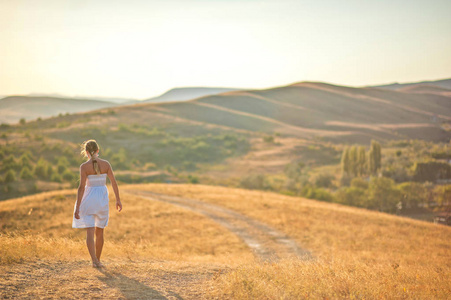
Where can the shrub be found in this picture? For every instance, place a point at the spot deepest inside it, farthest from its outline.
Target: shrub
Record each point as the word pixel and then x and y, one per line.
pixel 41 169
pixel 353 195
pixel 383 195
pixel 9 163
pixel 61 169
pixel 25 160
pixel 68 175
pixel 431 171
pixel 323 180
pixel 255 181
pixel 268 139
pixel 26 173
pixel 412 194
pixel 193 179
pixel 312 192
pixel 443 195
pixel 359 183
pixel 345 179
pixel 56 177
pixel 10 176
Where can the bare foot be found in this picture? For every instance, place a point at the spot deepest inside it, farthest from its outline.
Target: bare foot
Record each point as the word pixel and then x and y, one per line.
pixel 97 264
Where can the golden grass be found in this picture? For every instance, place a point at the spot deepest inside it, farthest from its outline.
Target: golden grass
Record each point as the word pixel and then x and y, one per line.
pixel 40 227
pixel 359 253
pixel 331 280
pixel 153 246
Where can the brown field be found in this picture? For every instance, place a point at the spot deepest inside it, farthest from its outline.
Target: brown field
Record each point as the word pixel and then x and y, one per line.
pixel 157 250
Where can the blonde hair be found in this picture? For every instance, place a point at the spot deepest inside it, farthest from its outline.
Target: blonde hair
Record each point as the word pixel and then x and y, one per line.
pixel 91 147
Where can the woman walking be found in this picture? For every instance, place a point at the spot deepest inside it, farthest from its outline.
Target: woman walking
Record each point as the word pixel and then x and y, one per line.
pixel 91 210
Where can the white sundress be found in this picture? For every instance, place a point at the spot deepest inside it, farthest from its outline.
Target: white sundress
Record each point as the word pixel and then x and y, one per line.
pixel 94 206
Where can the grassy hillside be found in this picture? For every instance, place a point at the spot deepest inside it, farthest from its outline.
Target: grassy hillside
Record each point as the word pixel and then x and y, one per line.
pixel 357 253
pixel 426 89
pixel 285 139
pixel 322 110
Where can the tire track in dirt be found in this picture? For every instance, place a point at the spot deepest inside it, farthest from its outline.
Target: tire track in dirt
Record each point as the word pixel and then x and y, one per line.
pixel 267 243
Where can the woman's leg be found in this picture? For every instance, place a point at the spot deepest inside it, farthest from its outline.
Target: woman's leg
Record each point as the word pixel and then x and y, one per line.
pixel 99 242
pixel 91 245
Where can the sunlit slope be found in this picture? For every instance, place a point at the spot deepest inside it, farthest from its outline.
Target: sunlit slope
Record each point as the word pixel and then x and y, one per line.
pixel 356 253
pixel 144 229
pixel 329 230
pixel 317 109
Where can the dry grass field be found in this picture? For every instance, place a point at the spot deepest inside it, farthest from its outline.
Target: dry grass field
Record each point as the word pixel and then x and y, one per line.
pixel 161 251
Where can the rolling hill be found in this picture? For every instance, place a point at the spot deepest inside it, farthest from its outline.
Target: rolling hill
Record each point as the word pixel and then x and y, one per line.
pixel 310 109
pixel 188 93
pixel 225 138
pixel 426 89
pixel 13 108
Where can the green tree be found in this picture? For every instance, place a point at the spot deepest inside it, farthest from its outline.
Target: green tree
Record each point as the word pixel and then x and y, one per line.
pixel 68 175
pixel 10 176
pixel 22 121
pixel 26 173
pixel 354 196
pixel 359 183
pixel 41 169
pixel 443 195
pixel 345 162
pixel 361 161
pixel 353 158
pixel 374 157
pixel 412 194
pixel 9 162
pixel 62 164
pixel 56 177
pixel 25 160
pixel 323 180
pixel 383 194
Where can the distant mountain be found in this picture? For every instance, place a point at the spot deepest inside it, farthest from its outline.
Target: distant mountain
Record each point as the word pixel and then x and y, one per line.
pixel 443 83
pixel 188 93
pixel 105 99
pixel 426 89
pixel 13 108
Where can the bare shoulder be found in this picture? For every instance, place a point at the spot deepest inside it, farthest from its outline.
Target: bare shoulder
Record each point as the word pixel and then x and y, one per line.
pixel 104 162
pixel 83 166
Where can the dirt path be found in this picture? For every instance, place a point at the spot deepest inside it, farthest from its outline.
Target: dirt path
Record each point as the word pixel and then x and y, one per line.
pixel 119 280
pixel 267 243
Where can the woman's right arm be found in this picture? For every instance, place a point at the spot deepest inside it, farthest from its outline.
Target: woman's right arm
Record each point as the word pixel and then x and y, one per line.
pixel 80 192
pixel 115 187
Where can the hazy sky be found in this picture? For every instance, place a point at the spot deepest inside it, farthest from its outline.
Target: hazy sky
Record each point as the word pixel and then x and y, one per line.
pixel 139 49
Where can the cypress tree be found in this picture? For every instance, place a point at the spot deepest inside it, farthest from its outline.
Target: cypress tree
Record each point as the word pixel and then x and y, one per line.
pixel 345 166
pixel 362 161
pixel 374 157
pixel 353 158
